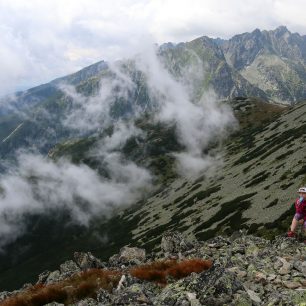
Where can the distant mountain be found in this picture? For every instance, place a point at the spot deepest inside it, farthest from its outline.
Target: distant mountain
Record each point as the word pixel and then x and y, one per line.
pixel 266 64
pixel 270 65
pixel 273 61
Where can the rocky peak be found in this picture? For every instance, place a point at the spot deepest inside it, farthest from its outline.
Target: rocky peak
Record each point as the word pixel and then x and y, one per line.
pixel 280 31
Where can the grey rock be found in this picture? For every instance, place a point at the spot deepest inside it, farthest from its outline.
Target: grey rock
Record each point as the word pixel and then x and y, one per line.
pixel 273 277
pixel 69 267
pixel 133 295
pixel 253 296
pixel 135 255
pixel 192 298
pixel 300 266
pixel 53 277
pixel 87 261
pixel 174 242
pixel 4 295
pixel 286 266
pixel 291 285
pixel 88 302
pixel 103 297
pixel 43 277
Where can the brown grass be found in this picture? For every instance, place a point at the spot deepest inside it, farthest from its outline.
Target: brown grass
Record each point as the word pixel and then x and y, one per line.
pixel 86 284
pixel 184 268
pixel 77 287
pixel 159 271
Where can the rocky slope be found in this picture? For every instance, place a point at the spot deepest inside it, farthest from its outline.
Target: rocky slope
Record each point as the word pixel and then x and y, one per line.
pixel 253 188
pixel 246 270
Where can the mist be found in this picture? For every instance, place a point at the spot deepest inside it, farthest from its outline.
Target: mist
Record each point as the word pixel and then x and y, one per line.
pixel 37 184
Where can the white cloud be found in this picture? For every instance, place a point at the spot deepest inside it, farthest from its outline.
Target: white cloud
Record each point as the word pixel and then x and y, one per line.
pixel 36 185
pixel 39 186
pixel 197 122
pixel 41 40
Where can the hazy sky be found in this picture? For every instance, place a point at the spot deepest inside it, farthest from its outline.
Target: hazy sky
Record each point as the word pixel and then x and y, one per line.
pixel 44 39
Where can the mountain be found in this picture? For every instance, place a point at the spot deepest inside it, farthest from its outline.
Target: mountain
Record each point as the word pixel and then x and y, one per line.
pixel 216 73
pixel 273 61
pixel 265 64
pixel 252 185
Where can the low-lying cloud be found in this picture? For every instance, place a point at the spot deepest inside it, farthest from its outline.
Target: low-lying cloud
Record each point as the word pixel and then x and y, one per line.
pixel 37 184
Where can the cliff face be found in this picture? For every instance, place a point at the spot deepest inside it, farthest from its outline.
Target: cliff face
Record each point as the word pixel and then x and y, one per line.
pixel 238 270
pixel 273 61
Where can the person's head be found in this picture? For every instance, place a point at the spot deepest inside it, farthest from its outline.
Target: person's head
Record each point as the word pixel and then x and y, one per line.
pixel 302 192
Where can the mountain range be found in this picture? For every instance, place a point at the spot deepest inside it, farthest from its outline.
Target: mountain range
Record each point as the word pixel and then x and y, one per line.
pixel 260 75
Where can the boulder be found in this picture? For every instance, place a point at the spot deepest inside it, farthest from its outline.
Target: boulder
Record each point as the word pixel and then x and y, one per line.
pixel 69 267
pixel 87 261
pixel 133 295
pixel 174 242
pixel 135 255
pixel 53 277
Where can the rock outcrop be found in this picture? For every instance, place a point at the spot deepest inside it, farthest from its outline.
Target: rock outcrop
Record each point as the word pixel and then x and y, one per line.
pixel 247 270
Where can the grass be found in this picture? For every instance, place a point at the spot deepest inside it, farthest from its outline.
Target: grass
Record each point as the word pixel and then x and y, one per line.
pixel 86 284
pixel 160 271
pixel 75 288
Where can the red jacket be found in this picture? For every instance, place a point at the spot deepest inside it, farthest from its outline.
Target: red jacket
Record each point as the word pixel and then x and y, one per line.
pixel 300 207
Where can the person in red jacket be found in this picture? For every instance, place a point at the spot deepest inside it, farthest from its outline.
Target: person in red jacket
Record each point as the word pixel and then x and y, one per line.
pixel 300 212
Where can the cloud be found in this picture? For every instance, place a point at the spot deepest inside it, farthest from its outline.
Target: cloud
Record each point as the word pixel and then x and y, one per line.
pixel 199 122
pixel 92 113
pixel 37 185
pixel 41 40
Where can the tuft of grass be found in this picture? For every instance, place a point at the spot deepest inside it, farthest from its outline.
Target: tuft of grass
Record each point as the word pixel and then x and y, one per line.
pixel 154 272
pixel 186 267
pixel 159 271
pixel 70 290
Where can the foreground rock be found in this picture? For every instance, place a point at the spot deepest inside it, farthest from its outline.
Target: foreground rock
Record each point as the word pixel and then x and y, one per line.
pixel 247 270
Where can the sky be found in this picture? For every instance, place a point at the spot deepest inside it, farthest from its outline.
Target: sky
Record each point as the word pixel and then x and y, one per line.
pixel 45 39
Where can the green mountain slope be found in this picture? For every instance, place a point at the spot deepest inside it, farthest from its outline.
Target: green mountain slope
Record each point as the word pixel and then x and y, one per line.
pixel 254 188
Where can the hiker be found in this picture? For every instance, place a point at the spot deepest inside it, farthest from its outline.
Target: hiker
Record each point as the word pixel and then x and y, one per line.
pixel 300 212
